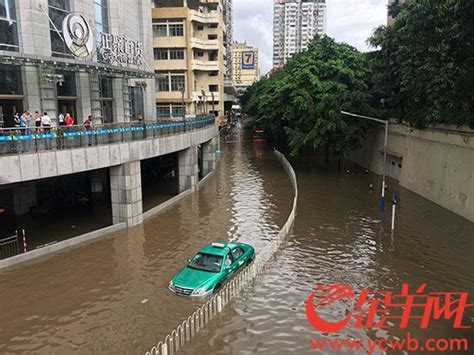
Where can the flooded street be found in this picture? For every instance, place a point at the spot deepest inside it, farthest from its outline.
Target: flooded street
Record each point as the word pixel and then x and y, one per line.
pixel 340 237
pixel 111 295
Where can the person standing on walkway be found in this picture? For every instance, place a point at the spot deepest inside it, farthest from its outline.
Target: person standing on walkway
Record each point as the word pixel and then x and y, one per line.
pixel 46 124
pixel 61 120
pixel 88 123
pixel 37 121
pixel 69 120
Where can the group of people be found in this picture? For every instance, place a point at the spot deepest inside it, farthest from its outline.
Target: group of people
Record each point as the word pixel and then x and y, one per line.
pixel 26 120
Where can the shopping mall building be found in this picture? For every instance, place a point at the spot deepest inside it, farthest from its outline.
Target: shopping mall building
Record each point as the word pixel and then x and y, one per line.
pixel 83 57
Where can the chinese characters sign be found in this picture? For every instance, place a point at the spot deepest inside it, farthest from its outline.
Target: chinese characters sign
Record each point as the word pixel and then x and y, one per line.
pixel 376 309
pixel 115 49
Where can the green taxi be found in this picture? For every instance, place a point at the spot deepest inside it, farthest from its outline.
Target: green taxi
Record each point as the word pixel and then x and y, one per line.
pixel 210 268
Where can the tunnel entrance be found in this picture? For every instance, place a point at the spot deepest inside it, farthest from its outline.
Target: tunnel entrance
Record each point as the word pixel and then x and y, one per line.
pixel 55 209
pixel 160 180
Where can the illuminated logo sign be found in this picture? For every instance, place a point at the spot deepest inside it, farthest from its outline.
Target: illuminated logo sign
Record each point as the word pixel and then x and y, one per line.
pixel 248 60
pixel 78 35
pixel 115 49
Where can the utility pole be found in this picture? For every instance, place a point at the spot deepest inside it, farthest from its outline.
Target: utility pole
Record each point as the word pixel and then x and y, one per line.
pixel 382 197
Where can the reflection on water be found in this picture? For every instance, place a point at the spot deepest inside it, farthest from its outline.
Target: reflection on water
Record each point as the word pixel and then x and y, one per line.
pixel 111 295
pixel 340 237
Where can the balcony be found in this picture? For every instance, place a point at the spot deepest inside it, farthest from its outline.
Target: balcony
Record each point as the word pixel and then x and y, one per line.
pixel 205 17
pixel 205 65
pixel 197 96
pixel 205 44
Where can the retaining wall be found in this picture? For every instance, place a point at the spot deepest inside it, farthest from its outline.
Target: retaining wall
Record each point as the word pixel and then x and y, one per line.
pixel 436 163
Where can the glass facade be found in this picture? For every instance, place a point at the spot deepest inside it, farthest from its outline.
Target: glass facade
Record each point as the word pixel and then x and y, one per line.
pixel 138 107
pixel 10 79
pixel 58 10
pixel 8 26
pixel 101 17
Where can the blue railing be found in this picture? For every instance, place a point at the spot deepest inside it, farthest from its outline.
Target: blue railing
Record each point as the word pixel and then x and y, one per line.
pixel 29 140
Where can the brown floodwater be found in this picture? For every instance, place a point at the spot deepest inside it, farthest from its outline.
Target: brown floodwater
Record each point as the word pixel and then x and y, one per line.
pixel 111 295
pixel 340 237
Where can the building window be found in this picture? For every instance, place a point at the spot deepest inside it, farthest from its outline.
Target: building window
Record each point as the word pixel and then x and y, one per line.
pixel 160 30
pixel 213 73
pixel 68 87
pixel 170 82
pixel 163 82
pixel 10 77
pixel 137 103
pixel 101 17
pixel 8 26
pixel 200 27
pixel 176 54
pixel 199 54
pixel 212 25
pixel 177 82
pixel 58 10
pixel 211 37
pixel 160 53
pixel 176 30
pixel 163 110
pixel 106 98
pixel 214 88
pixel 169 110
pixel 166 28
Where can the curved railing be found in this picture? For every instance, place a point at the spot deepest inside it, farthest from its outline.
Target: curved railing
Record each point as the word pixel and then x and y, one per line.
pixel 174 341
pixel 20 140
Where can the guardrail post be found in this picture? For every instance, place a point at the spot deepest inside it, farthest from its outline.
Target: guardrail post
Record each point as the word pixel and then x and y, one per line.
pixel 219 304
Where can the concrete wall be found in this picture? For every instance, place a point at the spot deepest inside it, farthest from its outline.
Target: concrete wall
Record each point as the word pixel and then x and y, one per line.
pixel 26 167
pixel 436 163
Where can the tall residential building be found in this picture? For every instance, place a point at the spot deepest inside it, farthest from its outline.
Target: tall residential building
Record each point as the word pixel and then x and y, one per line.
pixel 245 68
pixel 189 57
pixel 295 23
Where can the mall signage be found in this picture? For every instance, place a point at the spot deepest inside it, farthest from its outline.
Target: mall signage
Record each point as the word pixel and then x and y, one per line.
pixel 113 49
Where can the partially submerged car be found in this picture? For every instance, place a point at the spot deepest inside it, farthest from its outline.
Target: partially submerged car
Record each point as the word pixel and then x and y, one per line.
pixel 208 270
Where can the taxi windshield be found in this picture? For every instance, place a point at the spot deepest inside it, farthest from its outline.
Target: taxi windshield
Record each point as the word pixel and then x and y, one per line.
pixel 206 262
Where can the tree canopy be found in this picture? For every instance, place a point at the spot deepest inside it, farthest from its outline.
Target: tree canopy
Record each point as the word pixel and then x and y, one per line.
pixel 300 104
pixel 424 69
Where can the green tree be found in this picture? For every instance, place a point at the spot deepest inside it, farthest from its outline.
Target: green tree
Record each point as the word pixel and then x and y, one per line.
pixel 424 68
pixel 301 103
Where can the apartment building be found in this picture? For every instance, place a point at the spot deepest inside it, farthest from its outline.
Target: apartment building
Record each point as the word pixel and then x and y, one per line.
pixel 190 56
pixel 295 23
pixel 245 67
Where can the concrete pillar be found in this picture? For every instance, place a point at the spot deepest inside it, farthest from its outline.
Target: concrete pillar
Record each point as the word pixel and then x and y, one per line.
pixel 84 107
pixel 126 193
pixel 31 88
pixel 188 169
pixel 119 114
pixel 24 197
pixel 209 156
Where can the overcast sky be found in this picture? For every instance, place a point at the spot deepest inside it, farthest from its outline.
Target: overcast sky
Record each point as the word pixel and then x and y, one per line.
pixel 350 21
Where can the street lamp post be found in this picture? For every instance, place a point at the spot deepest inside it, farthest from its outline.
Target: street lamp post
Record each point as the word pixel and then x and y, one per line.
pixel 382 196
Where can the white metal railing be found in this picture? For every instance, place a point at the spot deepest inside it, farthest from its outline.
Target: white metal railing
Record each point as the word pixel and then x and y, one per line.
pixel 179 336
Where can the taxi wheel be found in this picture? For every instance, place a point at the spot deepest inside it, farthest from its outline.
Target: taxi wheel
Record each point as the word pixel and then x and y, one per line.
pixel 217 289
